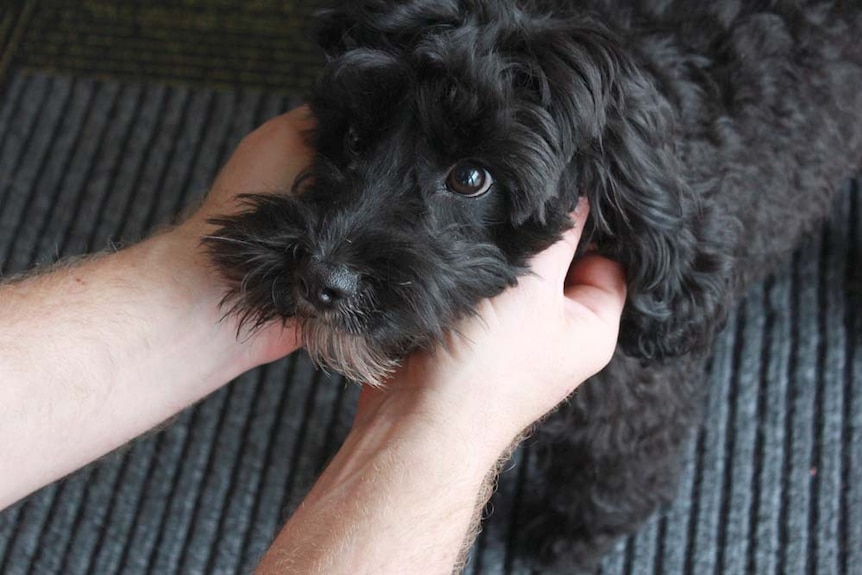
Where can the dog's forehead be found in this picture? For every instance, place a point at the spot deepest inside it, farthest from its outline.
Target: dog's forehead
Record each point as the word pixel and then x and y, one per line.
pixel 440 67
pixel 398 113
pixel 457 104
pixel 452 109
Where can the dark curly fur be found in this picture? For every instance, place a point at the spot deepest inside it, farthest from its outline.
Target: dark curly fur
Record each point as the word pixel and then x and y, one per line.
pixel 708 137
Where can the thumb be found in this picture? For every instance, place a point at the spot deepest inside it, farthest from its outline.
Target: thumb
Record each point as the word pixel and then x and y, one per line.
pixel 553 263
pixel 599 285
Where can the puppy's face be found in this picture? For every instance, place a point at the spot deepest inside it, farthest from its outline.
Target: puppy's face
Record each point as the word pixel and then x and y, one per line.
pixel 452 141
pixel 420 202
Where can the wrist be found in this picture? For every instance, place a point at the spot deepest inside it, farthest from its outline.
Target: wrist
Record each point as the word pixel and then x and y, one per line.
pixel 403 490
pixel 195 287
pixel 458 431
pixel 472 404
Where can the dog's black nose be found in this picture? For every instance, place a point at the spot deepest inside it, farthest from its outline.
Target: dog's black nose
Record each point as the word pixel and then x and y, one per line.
pixel 324 285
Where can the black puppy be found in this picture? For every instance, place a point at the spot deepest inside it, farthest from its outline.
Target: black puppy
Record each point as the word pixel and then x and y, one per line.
pixel 455 136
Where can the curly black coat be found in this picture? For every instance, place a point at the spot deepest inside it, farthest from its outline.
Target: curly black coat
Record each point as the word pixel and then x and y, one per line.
pixel 454 137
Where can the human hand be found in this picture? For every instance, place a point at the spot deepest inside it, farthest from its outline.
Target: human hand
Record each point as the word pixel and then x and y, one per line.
pixel 525 351
pixel 268 160
pixel 96 352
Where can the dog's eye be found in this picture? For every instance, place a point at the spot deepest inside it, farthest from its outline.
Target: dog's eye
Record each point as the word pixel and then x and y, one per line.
pixel 469 179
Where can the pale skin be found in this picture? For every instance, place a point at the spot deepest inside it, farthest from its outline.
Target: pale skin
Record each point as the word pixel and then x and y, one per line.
pixel 96 353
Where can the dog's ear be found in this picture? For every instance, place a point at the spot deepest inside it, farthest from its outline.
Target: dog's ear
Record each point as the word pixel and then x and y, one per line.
pixel 619 130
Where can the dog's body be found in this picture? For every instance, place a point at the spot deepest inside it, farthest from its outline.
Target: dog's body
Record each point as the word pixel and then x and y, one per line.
pixel 455 136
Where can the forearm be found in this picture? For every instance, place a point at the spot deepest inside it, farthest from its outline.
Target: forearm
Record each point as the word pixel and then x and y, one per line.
pixel 394 500
pixel 96 353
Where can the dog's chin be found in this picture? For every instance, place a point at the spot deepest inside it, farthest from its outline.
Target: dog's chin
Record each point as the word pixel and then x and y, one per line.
pixel 347 352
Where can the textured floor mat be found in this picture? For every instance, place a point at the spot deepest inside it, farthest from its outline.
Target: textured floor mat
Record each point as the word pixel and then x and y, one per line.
pixel 258 44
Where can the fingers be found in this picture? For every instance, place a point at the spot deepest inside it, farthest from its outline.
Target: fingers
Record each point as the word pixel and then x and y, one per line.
pixel 270 158
pixel 553 264
pixel 280 149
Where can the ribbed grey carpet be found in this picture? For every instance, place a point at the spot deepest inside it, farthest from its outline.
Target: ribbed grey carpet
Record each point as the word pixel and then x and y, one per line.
pixel 773 483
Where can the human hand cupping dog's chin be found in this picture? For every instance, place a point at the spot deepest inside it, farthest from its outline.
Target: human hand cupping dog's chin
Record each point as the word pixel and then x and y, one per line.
pixel 524 352
pixel 267 160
